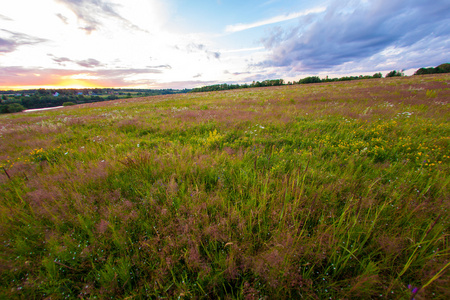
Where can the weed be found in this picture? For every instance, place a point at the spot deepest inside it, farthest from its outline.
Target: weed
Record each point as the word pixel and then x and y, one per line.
pixel 317 192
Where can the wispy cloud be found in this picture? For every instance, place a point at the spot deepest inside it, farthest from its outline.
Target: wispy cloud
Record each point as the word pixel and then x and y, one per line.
pixel 20 76
pixel 89 63
pixel 62 18
pixel 5 18
pixel 90 11
pixel 193 48
pixel 11 40
pixel 86 63
pixel 243 50
pixel 276 19
pixel 160 67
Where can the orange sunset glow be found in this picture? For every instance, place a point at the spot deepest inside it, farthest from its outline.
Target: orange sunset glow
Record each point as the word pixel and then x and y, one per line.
pixel 60 84
pixel 178 44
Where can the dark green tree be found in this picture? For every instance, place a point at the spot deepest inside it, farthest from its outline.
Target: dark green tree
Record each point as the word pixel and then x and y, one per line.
pixel 395 73
pixel 377 75
pixel 443 68
pixel 15 107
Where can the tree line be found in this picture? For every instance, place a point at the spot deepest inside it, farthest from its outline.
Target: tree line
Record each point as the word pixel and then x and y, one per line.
pixel 225 86
pixel 12 102
pixel 443 68
pixel 41 98
pixel 277 82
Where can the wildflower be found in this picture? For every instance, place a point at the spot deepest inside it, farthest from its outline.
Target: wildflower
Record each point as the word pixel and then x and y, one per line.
pixel 413 291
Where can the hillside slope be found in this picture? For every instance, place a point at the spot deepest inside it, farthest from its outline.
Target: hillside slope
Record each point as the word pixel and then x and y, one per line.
pixel 332 190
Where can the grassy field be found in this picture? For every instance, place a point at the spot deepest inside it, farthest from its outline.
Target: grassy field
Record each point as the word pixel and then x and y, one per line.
pixel 320 191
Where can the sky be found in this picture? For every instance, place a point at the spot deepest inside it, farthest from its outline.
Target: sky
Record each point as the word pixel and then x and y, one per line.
pixel 191 43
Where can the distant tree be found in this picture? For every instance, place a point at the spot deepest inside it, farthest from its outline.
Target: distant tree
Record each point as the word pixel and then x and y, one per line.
pixel 395 73
pixel 312 79
pixel 15 107
pixel 443 68
pixel 3 109
pixel 424 71
pixel 377 75
pixel 4 97
pixel 112 97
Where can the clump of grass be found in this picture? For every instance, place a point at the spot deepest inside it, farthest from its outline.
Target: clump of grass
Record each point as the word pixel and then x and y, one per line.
pixel 333 195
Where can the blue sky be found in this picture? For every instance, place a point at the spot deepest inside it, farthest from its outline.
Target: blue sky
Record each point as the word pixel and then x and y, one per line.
pixel 190 43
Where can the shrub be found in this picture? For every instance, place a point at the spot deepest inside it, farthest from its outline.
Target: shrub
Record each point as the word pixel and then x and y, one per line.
pixel 3 109
pixel 15 107
pixel 68 103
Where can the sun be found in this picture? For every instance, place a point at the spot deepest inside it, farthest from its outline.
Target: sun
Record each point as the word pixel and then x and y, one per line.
pixel 61 84
pixel 77 84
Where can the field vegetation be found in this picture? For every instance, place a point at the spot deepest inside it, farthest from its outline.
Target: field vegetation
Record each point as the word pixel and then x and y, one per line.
pixel 323 191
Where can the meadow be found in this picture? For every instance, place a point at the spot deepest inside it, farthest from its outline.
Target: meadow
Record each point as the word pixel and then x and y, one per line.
pixel 321 191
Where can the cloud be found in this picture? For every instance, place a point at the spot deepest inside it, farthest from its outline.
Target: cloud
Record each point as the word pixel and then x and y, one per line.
pixel 5 18
pixel 243 50
pixel 12 40
pixel 63 18
pixel 60 60
pixel 160 67
pixel 196 48
pixel 192 47
pixel 215 55
pixel 90 11
pixel 124 72
pixel 197 76
pixel 184 84
pixel 87 63
pixel 276 19
pixel 350 31
pixel 20 76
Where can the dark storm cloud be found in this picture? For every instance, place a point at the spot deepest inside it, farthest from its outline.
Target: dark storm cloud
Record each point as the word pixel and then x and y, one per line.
pixel 353 30
pixel 90 11
pixel 12 40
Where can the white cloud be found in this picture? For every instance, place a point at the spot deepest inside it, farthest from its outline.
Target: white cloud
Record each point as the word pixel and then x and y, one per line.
pixel 242 50
pixel 273 20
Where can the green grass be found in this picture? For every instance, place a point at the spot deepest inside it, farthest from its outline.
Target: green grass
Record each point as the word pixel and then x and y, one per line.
pixel 323 191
